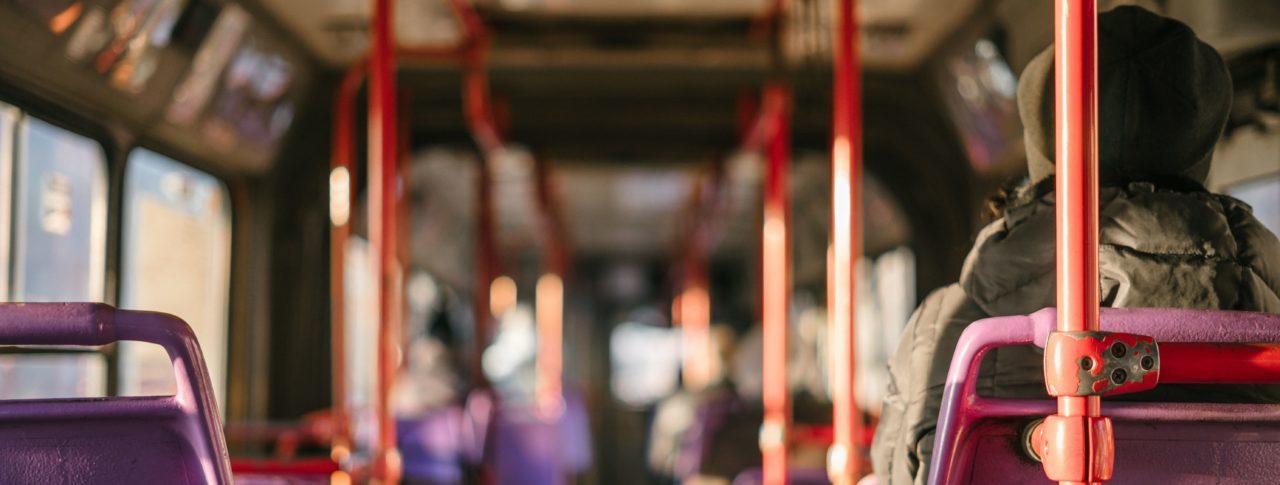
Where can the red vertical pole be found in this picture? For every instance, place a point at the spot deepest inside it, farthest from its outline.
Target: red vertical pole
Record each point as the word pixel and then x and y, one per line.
pixel 480 121
pixel 693 314
pixel 549 298
pixel 342 183
pixel 1076 100
pixel 776 278
pixel 382 220
pixel 484 260
pixel 846 244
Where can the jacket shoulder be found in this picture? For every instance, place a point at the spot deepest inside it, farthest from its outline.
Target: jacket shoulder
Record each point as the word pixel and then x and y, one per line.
pixel 1258 247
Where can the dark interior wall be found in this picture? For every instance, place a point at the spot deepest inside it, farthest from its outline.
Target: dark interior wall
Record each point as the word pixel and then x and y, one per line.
pixel 298 350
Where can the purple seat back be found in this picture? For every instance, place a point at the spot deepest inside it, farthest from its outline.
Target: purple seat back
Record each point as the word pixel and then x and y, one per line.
pixel 155 439
pixel 978 438
pixel 795 476
pixel 530 449
pixel 708 418
pixel 431 445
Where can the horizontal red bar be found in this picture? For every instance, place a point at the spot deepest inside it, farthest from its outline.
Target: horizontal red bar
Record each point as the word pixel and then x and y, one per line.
pixel 814 435
pixel 316 466
pixel 1210 363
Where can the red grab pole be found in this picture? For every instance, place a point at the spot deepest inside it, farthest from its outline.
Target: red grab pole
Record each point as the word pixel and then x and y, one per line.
pixel 550 297
pixel 846 244
pixel 1085 446
pixel 480 121
pixel 342 183
pixel 776 280
pixel 383 150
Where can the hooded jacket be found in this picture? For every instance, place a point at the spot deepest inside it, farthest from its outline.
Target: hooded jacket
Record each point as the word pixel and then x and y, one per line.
pixel 1164 241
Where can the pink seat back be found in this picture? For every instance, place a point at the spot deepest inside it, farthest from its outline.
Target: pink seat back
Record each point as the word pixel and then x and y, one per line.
pixel 978 439
pixel 156 439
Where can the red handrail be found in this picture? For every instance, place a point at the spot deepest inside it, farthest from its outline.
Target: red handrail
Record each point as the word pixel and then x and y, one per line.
pixel 1219 363
pixel 383 223
pixel 776 280
pixel 342 166
pixel 550 293
pixel 383 148
pixel 1076 100
pixel 478 109
pixel 844 459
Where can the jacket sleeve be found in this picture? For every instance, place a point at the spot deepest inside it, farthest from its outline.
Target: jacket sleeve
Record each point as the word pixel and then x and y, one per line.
pixel 1258 253
pixel 917 374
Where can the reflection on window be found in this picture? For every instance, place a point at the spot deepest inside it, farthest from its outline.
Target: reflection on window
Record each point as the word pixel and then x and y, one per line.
pixel 46 376
pixel 176 256
pixel 60 215
pixel 979 94
pixel 1263 195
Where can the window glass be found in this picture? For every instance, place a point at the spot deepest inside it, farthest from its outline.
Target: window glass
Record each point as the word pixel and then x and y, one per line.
pixel 979 93
pixel 8 122
pixel 361 315
pixel 886 297
pixel 60 215
pixel 54 186
pixel 176 259
pixel 45 376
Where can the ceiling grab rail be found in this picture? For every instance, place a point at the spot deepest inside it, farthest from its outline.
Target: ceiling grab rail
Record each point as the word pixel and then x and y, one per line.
pixel 844 459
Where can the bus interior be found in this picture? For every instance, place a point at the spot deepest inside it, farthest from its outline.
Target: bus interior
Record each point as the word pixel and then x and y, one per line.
pixel 516 241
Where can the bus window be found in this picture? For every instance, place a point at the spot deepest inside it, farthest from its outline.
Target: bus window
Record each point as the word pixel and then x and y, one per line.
pixel 58 222
pixel 8 122
pixel 361 340
pixel 176 259
pixel 60 215
pixel 45 376
pixel 979 93
pixel 646 362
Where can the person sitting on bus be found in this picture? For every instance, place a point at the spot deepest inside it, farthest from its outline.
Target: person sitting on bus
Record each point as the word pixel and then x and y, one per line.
pixel 1164 98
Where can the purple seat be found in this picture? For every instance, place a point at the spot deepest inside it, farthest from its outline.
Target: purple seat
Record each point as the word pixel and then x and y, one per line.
pixel 709 417
pixel 795 476
pixel 530 449
pixel 155 439
pixel 431 445
pixel 978 438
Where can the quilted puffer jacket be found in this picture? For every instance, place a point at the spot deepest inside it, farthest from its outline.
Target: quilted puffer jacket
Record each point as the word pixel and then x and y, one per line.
pixel 1159 248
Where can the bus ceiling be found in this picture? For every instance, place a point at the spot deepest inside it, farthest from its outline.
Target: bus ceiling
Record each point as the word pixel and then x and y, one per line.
pixel 632 33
